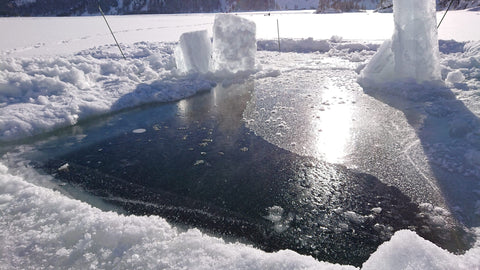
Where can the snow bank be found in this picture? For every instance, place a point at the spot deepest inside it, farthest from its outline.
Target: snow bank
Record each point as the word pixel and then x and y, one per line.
pixel 291 45
pixel 412 56
pixel 406 250
pixel 43 93
pixel 194 52
pixel 234 44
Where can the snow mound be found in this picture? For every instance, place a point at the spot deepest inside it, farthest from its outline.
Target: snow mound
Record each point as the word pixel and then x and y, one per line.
pixel 291 45
pixel 194 52
pixel 454 77
pixel 234 44
pixel 406 250
pixel 412 56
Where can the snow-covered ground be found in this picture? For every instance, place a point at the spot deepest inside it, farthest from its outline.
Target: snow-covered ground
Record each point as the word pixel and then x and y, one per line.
pixel 57 71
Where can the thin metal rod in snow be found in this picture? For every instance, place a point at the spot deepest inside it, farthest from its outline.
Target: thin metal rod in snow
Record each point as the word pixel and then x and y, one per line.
pixel 444 14
pixel 118 45
pixel 278 32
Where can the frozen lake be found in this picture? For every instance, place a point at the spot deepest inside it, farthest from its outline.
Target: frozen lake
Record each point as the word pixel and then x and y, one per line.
pixel 127 164
pixel 299 161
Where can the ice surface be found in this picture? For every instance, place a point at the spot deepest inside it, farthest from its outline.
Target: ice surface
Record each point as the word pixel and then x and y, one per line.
pixel 194 52
pixel 234 44
pixel 413 54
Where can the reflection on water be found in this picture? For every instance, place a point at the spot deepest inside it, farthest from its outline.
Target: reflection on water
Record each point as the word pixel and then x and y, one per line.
pixel 304 117
pixel 333 126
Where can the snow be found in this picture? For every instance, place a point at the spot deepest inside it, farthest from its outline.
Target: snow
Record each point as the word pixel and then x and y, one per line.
pixel 194 52
pixel 454 77
pixel 234 44
pixel 68 35
pixel 40 94
pixel 406 250
pixel 295 45
pixel 54 77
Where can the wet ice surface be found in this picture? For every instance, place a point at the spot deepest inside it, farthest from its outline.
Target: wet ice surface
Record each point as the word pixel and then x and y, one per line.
pixel 409 144
pixel 319 112
pixel 257 162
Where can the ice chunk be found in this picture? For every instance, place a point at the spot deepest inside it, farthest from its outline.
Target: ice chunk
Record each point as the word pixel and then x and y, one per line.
pixel 194 52
pixel 455 76
pixel 415 41
pixel 413 54
pixel 64 167
pixel 234 43
pixel 139 130
pixel 275 213
pixel 280 222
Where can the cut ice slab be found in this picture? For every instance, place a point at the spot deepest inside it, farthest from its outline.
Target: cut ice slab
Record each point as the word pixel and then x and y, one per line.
pixel 199 165
pixel 412 55
pixel 234 43
pixel 193 52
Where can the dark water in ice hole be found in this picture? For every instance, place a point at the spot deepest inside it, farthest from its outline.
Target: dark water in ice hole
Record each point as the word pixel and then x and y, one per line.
pixel 197 164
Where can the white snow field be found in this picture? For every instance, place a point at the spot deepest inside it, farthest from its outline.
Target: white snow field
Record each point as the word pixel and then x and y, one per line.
pixel 57 71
